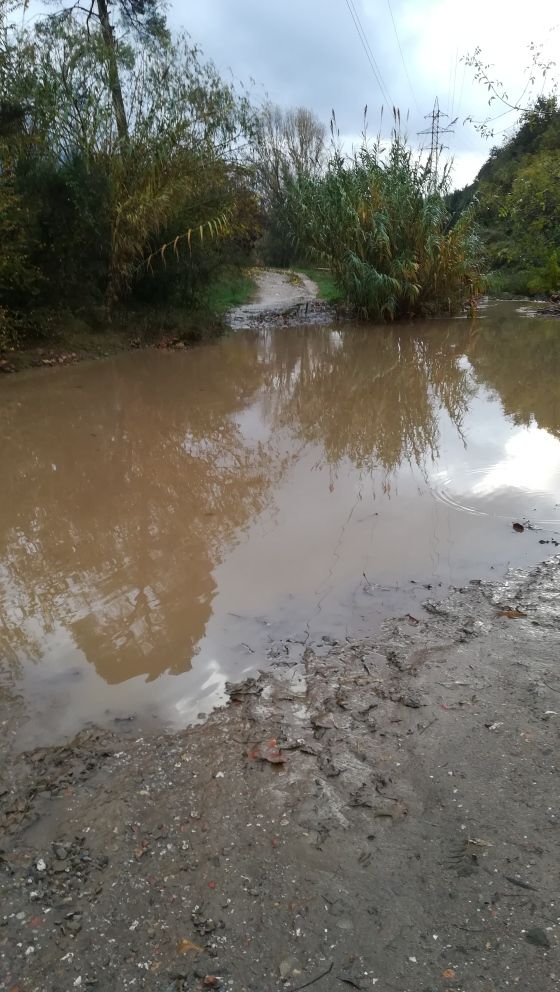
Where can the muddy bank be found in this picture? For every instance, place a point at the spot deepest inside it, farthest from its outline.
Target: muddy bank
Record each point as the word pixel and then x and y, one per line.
pixel 281 297
pixel 383 815
pixel 75 341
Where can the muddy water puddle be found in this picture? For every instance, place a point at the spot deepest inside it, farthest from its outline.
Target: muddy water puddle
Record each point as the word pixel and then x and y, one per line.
pixel 169 522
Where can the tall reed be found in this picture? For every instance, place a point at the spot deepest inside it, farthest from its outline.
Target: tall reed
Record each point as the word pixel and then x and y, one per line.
pixel 379 220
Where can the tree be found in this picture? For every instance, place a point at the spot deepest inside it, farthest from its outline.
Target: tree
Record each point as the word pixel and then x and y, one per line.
pixel 289 145
pixel 94 219
pixel 144 17
pixel 518 193
pixel 539 68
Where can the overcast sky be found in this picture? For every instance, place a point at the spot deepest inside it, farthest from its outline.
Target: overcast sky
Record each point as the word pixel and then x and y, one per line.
pixel 309 52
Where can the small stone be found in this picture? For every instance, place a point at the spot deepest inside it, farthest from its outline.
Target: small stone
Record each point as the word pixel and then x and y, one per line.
pixel 289 967
pixel 41 865
pixel 538 937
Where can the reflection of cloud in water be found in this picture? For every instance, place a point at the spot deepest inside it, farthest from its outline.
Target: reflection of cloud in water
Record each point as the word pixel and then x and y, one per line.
pixel 210 691
pixel 158 513
pixel 531 463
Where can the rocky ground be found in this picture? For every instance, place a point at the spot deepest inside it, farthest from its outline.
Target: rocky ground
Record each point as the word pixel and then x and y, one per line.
pixel 383 815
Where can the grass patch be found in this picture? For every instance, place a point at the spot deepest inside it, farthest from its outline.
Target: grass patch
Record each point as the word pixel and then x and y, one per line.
pixel 232 289
pixel 515 282
pixel 323 278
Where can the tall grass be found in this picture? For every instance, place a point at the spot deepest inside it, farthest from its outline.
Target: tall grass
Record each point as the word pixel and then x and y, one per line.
pixel 380 222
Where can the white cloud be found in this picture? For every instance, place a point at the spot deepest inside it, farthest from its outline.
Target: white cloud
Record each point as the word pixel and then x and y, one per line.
pixel 309 53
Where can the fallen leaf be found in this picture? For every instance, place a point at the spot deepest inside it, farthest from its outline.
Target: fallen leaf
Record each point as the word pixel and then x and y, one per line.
pixel 511 614
pixel 518 528
pixel 211 982
pixel 538 937
pixel 188 947
pixel 267 751
pixel 141 850
pixel 448 973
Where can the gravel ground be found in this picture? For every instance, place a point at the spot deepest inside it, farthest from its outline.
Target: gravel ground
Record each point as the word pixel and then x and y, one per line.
pixel 382 815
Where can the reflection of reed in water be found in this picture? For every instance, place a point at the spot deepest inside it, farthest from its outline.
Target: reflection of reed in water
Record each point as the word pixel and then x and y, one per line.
pixel 371 395
pixel 123 485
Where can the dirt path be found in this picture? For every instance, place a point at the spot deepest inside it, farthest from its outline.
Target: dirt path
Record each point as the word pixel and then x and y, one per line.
pixel 283 289
pixel 282 298
pixel 384 815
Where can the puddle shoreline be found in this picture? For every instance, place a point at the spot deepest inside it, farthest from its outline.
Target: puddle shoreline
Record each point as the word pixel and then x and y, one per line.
pixel 399 781
pixel 172 522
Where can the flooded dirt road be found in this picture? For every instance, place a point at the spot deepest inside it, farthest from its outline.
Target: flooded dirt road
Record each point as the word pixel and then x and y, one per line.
pixel 169 522
pixel 376 810
pixel 280 296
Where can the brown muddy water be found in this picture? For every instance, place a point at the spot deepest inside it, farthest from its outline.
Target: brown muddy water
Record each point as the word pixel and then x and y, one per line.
pixel 171 521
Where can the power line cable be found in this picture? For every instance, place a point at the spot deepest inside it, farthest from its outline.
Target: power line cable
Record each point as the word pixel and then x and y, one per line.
pixel 367 49
pixel 402 56
pixel 372 56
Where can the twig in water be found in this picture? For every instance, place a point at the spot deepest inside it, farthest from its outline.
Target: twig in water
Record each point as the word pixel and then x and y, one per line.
pixel 520 883
pixel 550 686
pixel 317 979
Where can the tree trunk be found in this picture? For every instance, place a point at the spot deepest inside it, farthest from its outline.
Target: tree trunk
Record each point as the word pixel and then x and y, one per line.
pixel 114 80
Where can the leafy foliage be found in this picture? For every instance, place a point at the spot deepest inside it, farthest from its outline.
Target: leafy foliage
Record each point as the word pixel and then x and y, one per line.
pixel 81 211
pixel 517 195
pixel 288 147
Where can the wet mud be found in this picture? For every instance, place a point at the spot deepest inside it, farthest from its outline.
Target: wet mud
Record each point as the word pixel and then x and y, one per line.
pixel 381 814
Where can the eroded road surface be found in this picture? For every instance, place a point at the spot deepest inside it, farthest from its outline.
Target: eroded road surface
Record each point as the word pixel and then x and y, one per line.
pixel 282 297
pixel 382 814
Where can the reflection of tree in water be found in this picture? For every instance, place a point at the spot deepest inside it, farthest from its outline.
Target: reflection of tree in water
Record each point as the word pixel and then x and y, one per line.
pixel 371 395
pixel 122 486
pixel 519 359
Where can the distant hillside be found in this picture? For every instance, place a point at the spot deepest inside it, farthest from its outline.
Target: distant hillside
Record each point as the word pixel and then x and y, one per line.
pixel 518 204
